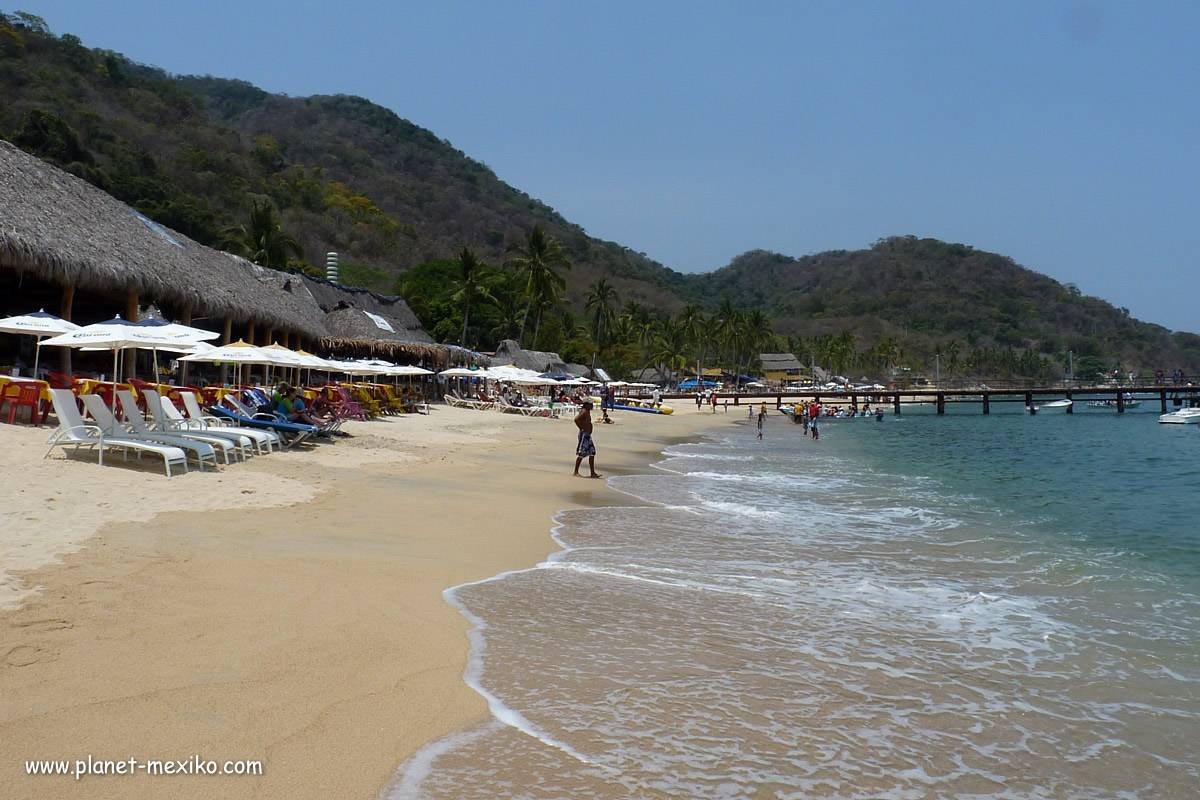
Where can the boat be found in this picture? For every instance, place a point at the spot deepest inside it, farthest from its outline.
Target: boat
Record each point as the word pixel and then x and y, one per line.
pixel 1183 416
pixel 1053 405
pixel 646 409
pixel 1113 403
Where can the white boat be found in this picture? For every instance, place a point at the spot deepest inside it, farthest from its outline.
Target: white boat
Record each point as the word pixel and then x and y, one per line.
pixel 1113 403
pixel 1053 405
pixel 1182 417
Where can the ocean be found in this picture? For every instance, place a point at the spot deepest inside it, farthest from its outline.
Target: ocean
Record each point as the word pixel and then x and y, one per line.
pixel 964 606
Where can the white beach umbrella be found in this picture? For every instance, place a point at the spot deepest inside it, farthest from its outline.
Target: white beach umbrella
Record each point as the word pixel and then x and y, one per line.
pixel 114 334
pixel 406 369
pixel 185 335
pixel 238 353
pixel 463 372
pixel 38 324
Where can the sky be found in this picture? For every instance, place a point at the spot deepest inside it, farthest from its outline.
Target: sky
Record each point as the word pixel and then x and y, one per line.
pixel 1063 134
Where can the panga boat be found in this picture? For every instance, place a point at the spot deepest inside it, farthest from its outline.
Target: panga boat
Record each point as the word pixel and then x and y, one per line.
pixel 1182 417
pixel 1053 405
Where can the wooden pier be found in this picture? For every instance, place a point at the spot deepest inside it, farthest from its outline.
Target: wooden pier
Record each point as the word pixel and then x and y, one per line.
pixel 1175 396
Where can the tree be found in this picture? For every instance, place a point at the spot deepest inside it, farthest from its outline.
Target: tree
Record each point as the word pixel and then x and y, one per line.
pixel 668 348
pixel 263 241
pixel 600 301
pixel 536 262
pixel 470 285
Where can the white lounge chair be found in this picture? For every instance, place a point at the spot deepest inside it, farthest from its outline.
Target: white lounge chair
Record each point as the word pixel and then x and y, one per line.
pixel 108 424
pixel 155 403
pixel 262 440
pixel 135 423
pixel 195 412
pixel 75 433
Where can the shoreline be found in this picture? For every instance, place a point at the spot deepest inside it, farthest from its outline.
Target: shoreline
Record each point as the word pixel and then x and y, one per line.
pixel 311 634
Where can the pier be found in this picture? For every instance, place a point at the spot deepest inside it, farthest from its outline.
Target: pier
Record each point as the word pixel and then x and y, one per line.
pixel 1168 397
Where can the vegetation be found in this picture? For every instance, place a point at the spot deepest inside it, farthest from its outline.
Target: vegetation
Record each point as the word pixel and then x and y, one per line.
pixel 280 179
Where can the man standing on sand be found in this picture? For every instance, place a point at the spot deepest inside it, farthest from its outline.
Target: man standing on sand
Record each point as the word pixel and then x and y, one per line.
pixel 584 446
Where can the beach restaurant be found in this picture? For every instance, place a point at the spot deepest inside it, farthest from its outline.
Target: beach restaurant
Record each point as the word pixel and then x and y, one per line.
pixel 75 251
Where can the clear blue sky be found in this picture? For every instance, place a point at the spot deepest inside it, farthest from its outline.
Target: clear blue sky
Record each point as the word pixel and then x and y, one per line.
pixel 1063 134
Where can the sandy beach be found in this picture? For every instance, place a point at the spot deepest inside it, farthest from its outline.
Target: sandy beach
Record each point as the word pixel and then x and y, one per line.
pixel 288 610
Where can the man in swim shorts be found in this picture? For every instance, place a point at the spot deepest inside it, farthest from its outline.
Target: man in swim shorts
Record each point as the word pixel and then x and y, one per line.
pixel 584 448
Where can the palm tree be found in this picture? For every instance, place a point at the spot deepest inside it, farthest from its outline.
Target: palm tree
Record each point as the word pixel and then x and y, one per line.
pixel 668 348
pixel 536 262
pixel 601 298
pixel 505 299
pixel 470 285
pixel 263 240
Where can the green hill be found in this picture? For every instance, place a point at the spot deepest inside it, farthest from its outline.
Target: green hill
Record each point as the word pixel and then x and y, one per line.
pixel 398 203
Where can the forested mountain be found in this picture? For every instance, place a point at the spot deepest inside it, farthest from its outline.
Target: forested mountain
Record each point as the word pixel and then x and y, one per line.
pixel 400 205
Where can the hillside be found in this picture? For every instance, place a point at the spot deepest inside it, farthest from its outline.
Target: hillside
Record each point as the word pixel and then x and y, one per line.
pixel 347 175
pixel 194 153
pixel 928 292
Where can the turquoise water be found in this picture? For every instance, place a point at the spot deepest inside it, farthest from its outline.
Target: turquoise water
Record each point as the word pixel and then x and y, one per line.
pixel 921 607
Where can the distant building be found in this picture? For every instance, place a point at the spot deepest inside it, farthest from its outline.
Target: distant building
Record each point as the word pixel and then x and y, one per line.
pixel 781 367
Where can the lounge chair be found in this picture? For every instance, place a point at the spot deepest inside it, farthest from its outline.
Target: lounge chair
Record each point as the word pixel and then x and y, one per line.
pixel 75 433
pixel 260 440
pixel 94 404
pixel 136 424
pixel 265 438
pixel 291 432
pixel 179 424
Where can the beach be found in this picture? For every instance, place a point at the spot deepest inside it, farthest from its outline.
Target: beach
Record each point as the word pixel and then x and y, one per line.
pixel 288 610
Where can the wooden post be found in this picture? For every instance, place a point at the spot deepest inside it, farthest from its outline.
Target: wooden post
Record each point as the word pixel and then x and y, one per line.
pixel 1070 408
pixel 131 314
pixel 1162 396
pixel 225 337
pixel 185 318
pixel 1029 399
pixel 896 403
pixel 250 331
pixel 941 403
pixel 987 405
pixel 64 311
pixel 267 339
pixel 1120 402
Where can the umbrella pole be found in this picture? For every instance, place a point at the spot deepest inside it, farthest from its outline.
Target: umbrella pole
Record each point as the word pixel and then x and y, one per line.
pixel 113 399
pixel 37 354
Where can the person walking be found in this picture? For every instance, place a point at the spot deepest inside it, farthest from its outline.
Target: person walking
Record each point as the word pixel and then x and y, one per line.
pixel 762 417
pixel 584 447
pixel 714 401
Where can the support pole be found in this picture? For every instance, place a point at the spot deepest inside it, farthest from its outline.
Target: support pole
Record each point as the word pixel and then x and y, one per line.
pixel 131 314
pixel 1070 408
pixel 896 403
pixel 987 404
pixel 185 318
pixel 1162 396
pixel 1120 402
pixel 941 403
pixel 226 335
pixel 64 311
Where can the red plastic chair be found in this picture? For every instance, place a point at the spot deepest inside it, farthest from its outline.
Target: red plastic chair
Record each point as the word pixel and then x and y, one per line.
pixel 28 396
pixel 57 380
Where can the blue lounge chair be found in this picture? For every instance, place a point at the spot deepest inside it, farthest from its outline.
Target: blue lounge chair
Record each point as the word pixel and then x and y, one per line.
pixel 292 432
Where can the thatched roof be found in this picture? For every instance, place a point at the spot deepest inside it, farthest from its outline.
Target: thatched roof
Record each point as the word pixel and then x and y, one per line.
pixel 509 352
pixel 779 362
pixel 66 231
pixel 392 311
pixel 652 375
